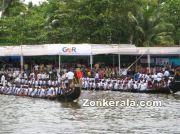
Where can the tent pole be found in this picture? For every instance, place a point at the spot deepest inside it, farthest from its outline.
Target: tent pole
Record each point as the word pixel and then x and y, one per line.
pixel 136 65
pixel 113 60
pixel 21 60
pixel 59 63
pixel 149 63
pixel 91 60
pixel 119 59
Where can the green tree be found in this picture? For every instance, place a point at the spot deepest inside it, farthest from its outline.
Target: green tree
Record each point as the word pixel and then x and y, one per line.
pixel 145 23
pixel 171 8
pixel 151 28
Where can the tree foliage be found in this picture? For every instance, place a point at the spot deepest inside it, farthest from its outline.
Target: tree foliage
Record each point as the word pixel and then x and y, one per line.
pixel 141 22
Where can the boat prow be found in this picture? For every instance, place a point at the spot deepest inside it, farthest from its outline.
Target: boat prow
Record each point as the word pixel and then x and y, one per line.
pixel 175 84
pixel 70 96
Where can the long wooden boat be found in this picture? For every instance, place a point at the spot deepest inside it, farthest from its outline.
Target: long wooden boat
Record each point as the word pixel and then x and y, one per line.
pixel 165 90
pixel 67 96
pixel 172 88
pixel 71 95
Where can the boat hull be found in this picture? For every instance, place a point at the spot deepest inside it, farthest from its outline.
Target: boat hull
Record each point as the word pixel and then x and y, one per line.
pixel 150 91
pixel 69 96
pixel 173 88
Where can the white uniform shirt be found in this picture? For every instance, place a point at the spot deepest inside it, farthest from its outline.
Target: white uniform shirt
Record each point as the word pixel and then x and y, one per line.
pixel 26 91
pixel 135 86
pixel 36 83
pixel 154 77
pixel 110 86
pixel 42 93
pixel 116 85
pixel 70 75
pixel 49 92
pixel 166 73
pixel 2 78
pixel 143 86
pixel 99 84
pixel 49 82
pixel 86 84
pixel 90 84
pixel 36 67
pixel 97 76
pixel 38 76
pixel 40 82
pixel 159 75
pixel 25 76
pixel 30 90
pixel 105 85
pixel 14 75
pixel 32 75
pixel 94 85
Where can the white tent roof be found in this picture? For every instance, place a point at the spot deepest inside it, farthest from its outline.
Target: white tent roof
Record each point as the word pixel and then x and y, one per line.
pixel 85 49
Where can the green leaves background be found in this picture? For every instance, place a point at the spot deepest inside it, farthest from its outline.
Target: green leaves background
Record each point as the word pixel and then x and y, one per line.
pixel 141 22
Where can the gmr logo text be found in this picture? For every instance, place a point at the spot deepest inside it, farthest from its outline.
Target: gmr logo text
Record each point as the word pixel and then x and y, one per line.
pixel 69 50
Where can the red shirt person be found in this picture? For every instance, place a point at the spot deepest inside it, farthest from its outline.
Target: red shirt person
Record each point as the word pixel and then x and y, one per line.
pixel 79 74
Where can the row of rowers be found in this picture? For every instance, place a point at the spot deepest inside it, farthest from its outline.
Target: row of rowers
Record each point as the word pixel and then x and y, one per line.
pixel 124 83
pixel 32 75
pixel 138 76
pixel 141 85
pixel 31 92
pixel 23 80
pixel 32 82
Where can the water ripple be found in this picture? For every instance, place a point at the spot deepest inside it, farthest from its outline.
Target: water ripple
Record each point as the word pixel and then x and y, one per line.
pixel 20 115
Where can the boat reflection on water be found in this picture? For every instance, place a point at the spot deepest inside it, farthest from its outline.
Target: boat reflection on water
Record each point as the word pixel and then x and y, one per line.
pixel 176 96
pixel 73 105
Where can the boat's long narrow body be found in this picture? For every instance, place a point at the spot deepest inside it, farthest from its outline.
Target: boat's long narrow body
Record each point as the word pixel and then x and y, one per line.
pixel 172 88
pixel 152 91
pixel 69 95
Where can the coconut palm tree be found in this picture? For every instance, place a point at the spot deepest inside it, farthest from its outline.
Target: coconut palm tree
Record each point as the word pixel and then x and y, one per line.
pixel 150 28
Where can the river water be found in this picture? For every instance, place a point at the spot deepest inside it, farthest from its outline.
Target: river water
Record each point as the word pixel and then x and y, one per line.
pixel 21 115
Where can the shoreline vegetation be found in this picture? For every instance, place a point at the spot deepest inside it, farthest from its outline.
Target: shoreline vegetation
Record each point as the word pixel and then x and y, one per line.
pixel 140 22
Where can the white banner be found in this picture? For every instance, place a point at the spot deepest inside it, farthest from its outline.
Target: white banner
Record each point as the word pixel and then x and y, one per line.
pixel 12 51
pixel 56 49
pixel 1 51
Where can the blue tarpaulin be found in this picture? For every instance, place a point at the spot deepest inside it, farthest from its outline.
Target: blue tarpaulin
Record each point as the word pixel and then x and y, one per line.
pixel 175 61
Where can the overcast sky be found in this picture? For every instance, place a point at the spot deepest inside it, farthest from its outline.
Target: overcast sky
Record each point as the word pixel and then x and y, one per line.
pixel 34 1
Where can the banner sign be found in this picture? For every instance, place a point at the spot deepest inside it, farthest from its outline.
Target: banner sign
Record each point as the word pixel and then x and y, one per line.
pixel 75 49
pixel 175 61
pixel 162 61
pixel 144 60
